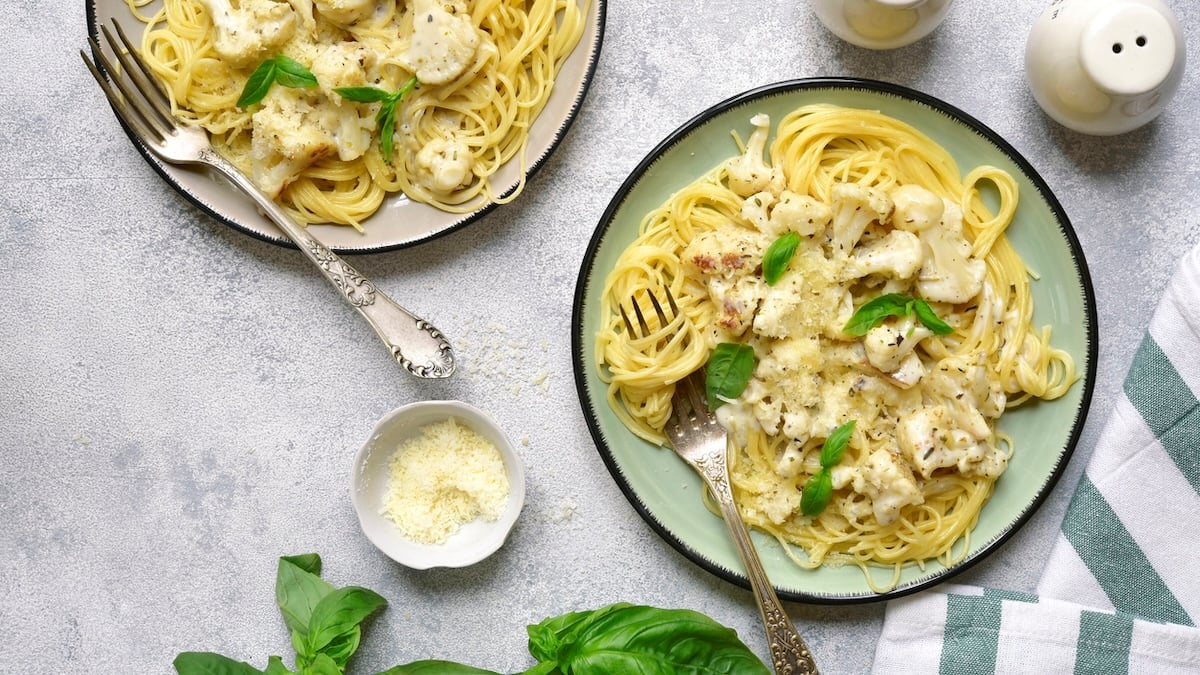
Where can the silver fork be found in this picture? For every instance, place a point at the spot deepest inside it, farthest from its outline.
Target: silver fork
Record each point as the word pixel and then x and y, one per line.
pixel 145 110
pixel 696 436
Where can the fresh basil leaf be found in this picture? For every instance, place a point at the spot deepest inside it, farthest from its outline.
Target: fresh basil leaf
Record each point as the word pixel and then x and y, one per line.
pixel 779 256
pixel 300 647
pixel 930 319
pixel 873 312
pixel 817 493
pixel 547 637
pixel 309 562
pixel 835 445
pixel 412 83
pixel 434 667
pixel 385 117
pixel 258 84
pixel 208 663
pixel 298 589
pixel 286 71
pixel 640 639
pixel 387 129
pixel 363 94
pixel 342 647
pixel 291 73
pixel 339 612
pixel 729 369
pixel 275 666
pixel 322 665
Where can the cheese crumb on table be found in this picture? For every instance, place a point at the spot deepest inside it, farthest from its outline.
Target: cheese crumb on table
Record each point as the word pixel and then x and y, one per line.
pixel 443 478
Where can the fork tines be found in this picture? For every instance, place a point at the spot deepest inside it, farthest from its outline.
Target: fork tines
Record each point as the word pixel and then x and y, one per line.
pixel 138 99
pixel 641 318
pixel 690 390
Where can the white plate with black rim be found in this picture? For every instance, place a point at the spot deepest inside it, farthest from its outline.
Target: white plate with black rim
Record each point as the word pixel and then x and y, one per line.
pixel 667 493
pixel 400 222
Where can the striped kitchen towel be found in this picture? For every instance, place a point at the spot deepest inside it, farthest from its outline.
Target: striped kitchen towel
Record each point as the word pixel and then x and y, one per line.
pixel 1120 592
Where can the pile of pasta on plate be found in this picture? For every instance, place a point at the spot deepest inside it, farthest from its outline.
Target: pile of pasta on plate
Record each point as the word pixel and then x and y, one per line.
pixel 331 106
pixel 864 322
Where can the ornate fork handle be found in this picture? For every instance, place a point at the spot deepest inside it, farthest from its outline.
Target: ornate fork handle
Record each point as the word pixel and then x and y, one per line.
pixel 789 653
pixel 415 344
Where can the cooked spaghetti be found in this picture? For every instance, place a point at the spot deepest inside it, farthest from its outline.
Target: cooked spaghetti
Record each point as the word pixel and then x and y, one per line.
pixel 485 70
pixel 876 211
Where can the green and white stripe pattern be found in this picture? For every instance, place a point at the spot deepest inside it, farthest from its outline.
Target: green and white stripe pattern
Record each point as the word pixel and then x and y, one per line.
pixel 1121 589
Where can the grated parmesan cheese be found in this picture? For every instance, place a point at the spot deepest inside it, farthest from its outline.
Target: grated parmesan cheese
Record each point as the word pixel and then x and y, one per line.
pixel 442 479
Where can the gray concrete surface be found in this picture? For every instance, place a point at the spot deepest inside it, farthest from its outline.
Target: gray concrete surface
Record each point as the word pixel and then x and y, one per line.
pixel 179 403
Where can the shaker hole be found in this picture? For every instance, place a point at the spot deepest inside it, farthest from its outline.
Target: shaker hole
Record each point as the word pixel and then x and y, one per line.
pixel 1117 47
pixel 1141 41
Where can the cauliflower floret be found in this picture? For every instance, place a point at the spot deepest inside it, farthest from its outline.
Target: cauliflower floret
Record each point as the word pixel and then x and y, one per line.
pixel 949 273
pixel 304 10
pixel 889 343
pixel 785 386
pixel 797 424
pixel 936 437
pixel 805 299
pixel 790 461
pixel 722 252
pixel 755 210
pixel 789 360
pixel 749 173
pixel 917 208
pixel 445 163
pixel 345 12
pixel 289 134
pixel 344 65
pixel 247 34
pixel 841 315
pixel 896 255
pixel 779 303
pixel 738 418
pixel 843 475
pixel 781 504
pixel 854 208
pixel 890 484
pixel 910 372
pixel 766 408
pixel 443 43
pixel 962 379
pixel 798 213
pixel 725 261
pixel 735 301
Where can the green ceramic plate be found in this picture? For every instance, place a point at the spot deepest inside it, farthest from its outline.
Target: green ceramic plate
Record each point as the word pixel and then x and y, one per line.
pixel 665 491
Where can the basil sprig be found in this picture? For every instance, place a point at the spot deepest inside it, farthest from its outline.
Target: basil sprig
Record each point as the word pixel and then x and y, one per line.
pixel 729 369
pixel 325 623
pixel 624 638
pixel 286 71
pixel 873 313
pixel 779 256
pixel 386 116
pixel 818 491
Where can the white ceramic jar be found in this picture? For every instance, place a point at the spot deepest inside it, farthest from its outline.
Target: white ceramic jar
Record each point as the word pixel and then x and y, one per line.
pixel 881 24
pixel 1104 67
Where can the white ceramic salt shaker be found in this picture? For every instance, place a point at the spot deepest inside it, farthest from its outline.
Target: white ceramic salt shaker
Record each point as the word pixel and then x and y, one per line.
pixel 881 24
pixel 1104 67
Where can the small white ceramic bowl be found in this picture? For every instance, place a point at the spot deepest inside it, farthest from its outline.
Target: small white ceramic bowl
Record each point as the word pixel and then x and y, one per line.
pixel 368 487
